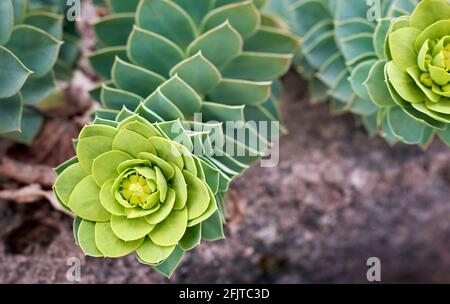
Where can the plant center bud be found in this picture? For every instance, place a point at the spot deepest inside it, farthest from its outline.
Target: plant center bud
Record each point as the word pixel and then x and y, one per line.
pixel 135 189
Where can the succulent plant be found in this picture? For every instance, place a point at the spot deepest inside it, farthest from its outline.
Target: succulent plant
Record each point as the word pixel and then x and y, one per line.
pixel 418 69
pixel 30 43
pixel 344 53
pixel 220 49
pixel 70 49
pixel 135 187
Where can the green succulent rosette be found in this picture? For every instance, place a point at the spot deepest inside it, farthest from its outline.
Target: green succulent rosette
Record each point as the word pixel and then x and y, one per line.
pixel 135 189
pixel 346 54
pixel 70 51
pixel 32 58
pixel 29 47
pixel 418 67
pixel 336 37
pixel 223 50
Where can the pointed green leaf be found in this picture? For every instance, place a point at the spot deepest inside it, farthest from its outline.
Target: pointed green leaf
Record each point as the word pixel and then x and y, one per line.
pixel 153 51
pixel 113 30
pixel 198 72
pixel 169 265
pixel 160 104
pixel 6 20
pixel 191 238
pixel 376 85
pixel 238 92
pixel 35 90
pixel 196 9
pixel 31 125
pixel 35 48
pixel 218 112
pixel 258 66
pixel 116 99
pixel 182 96
pixel 120 6
pixel 13 73
pixel 405 128
pixel 134 78
pixel 358 76
pixel 11 114
pixel 270 40
pixel 162 17
pixel 219 45
pixel 212 228
pixel 243 16
pixel 48 22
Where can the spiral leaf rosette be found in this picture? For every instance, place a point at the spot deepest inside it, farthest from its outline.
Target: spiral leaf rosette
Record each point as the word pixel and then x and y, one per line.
pixel 347 55
pixel 30 41
pixel 418 73
pixel 135 190
pixel 222 50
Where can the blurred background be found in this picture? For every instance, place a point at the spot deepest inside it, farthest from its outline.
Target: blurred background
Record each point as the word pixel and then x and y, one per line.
pixel 336 199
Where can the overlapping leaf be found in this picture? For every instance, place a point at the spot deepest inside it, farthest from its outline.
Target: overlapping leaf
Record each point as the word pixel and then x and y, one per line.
pixel 135 187
pixel 345 54
pixel 218 51
pixel 31 34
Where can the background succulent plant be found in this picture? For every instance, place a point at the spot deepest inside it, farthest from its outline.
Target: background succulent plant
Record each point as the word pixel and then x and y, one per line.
pixel 343 54
pixel 221 49
pixel 70 49
pixel 135 188
pixel 30 42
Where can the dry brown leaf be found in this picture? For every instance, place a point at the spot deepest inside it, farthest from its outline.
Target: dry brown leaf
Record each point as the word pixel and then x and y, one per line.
pixel 235 210
pixel 31 194
pixel 27 174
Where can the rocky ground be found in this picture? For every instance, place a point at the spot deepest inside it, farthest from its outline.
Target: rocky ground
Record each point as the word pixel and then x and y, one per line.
pixel 335 199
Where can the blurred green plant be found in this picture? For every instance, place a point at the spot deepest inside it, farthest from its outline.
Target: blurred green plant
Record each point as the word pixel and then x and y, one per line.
pixel 70 50
pixel 222 50
pixel 31 35
pixel 346 55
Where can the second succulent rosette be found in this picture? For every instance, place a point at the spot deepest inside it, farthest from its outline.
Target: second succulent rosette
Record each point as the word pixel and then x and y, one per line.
pixel 386 62
pixel 134 189
pixel 418 72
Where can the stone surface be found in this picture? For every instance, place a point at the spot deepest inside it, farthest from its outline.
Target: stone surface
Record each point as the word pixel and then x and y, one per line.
pixel 335 199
